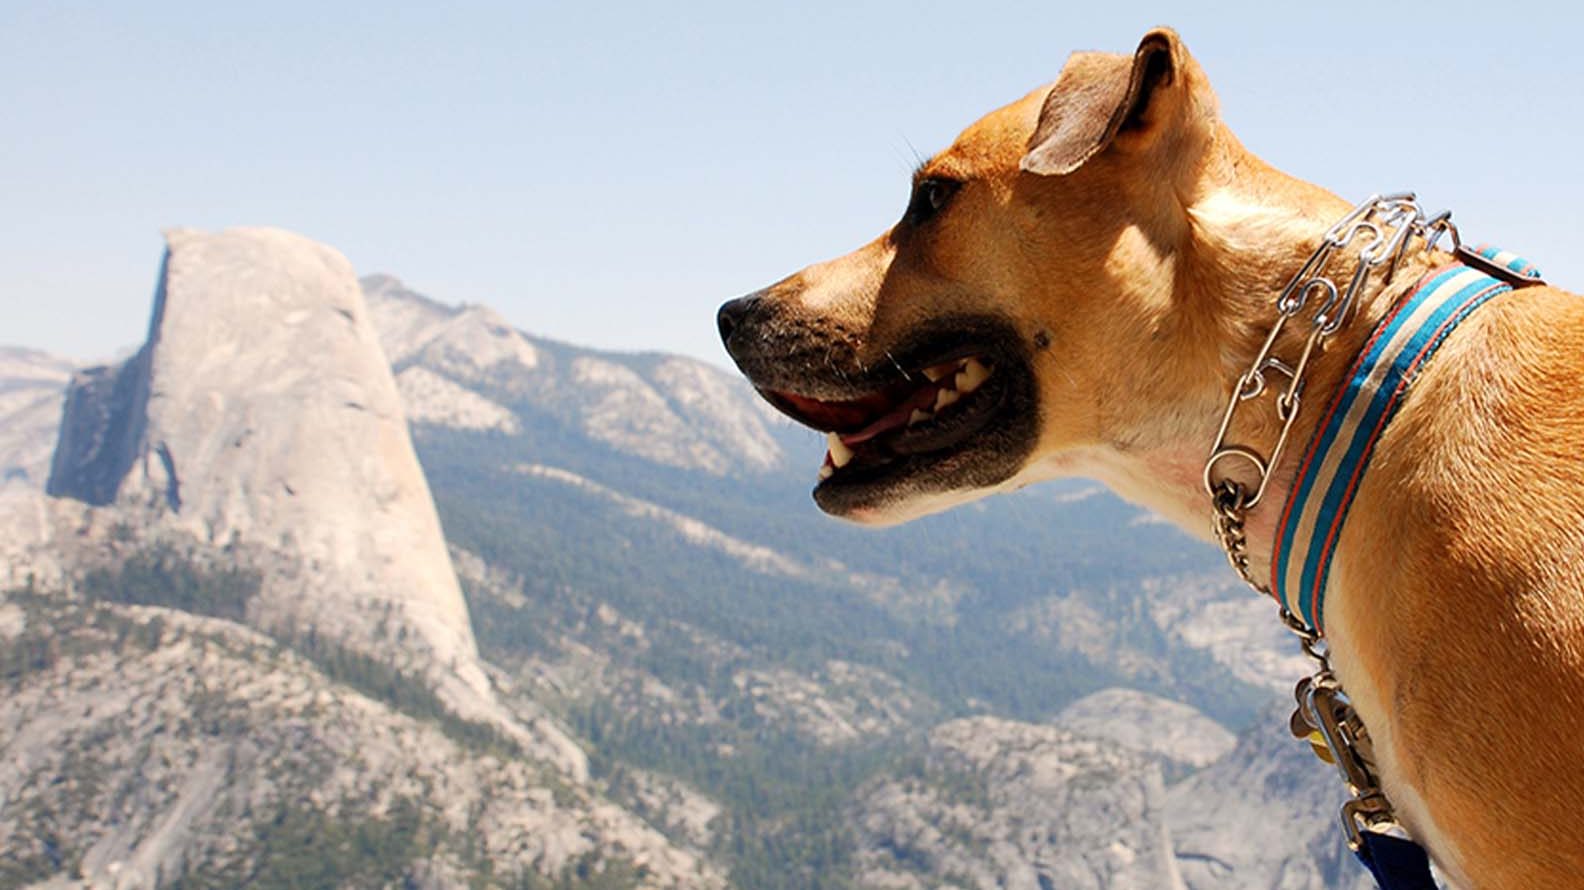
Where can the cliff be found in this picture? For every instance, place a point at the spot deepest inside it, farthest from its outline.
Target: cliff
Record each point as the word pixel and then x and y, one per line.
pixel 261 413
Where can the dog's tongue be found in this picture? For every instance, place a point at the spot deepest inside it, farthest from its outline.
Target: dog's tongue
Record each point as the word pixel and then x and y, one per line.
pixel 844 417
pixel 896 418
pixel 828 416
pixel 860 420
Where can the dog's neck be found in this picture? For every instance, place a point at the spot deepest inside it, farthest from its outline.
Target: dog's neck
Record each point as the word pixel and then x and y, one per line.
pixel 1248 236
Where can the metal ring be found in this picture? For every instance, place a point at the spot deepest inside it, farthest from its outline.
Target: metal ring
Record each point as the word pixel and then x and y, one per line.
pixel 1247 454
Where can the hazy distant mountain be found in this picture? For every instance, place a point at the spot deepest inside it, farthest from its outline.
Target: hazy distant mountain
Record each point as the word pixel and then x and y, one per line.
pixel 1171 732
pixel 466 368
pixel 32 385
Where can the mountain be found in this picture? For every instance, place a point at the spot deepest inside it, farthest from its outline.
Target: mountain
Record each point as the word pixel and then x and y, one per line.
pixel 1180 737
pixel 31 387
pixel 459 366
pixel 237 652
pixel 261 412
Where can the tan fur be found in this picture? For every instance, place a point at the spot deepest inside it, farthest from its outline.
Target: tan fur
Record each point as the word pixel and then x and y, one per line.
pixel 1145 275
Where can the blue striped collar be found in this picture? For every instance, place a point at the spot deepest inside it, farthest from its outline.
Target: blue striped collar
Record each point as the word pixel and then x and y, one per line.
pixel 1338 454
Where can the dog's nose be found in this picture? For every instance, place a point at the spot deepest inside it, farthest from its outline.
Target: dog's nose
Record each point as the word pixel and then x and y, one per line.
pixel 731 315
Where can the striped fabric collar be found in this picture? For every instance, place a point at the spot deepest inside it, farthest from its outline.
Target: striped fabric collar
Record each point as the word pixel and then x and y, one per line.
pixel 1334 463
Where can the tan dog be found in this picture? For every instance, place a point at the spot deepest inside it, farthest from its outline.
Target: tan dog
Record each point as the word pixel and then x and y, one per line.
pixel 1073 289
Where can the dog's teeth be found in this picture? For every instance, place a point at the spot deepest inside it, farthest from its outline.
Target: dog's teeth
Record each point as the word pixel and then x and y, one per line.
pixel 840 454
pixel 945 397
pixel 935 372
pixel 826 471
pixel 973 373
pixel 918 416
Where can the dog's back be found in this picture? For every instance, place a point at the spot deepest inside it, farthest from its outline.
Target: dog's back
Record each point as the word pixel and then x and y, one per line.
pixel 1461 592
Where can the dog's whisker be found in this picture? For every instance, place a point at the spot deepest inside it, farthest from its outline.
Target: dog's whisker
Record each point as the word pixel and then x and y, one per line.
pixel 837 369
pixel 908 163
pixel 1062 369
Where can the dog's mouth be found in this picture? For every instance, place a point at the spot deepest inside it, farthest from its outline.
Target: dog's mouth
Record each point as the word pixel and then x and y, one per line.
pixel 933 409
pixel 962 419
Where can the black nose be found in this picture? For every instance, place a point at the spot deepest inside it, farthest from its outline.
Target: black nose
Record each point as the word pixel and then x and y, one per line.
pixel 731 315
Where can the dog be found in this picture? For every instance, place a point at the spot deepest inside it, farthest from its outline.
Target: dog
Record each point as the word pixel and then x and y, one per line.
pixel 1073 289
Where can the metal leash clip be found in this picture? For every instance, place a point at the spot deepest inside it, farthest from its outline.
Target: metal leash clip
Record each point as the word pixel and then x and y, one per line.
pixel 1326 720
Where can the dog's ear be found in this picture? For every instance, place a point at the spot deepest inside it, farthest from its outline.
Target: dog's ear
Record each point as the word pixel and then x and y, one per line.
pixel 1101 95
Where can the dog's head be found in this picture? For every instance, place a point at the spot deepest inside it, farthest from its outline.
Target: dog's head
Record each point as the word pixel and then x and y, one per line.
pixel 1004 321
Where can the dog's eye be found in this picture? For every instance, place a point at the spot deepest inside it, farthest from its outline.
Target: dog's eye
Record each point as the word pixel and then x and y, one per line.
pixel 930 196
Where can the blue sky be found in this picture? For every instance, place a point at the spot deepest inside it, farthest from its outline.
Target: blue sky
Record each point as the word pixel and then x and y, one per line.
pixel 607 174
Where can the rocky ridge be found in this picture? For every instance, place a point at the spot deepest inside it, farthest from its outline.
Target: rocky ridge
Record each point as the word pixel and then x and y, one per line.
pixel 672 411
pixel 1264 816
pixel 1001 804
pixel 149 746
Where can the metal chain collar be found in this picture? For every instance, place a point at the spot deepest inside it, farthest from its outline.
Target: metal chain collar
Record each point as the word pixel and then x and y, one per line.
pixel 1384 227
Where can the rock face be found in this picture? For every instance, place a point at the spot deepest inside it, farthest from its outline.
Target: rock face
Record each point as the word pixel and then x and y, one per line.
pixel 1176 733
pixel 261 410
pixel 1264 816
pixel 1001 804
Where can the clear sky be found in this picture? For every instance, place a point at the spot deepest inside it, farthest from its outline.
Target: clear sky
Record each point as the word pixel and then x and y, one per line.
pixel 607 174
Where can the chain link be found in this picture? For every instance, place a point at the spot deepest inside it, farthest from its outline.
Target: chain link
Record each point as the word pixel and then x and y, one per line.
pixel 1230 503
